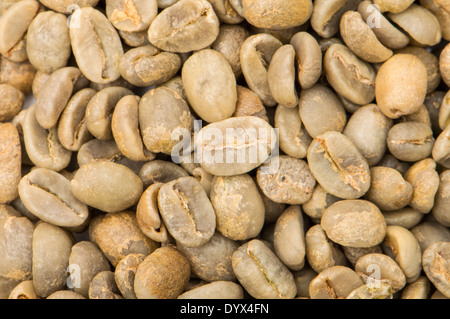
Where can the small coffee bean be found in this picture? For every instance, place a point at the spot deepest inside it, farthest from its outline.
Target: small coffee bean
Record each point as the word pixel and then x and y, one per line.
pixel 24 290
pixel 428 233
pixel 336 282
pixel 103 286
pixel 125 273
pixel 442 200
pixel 418 289
pixel 215 290
pixel 10 159
pixel 435 261
pixel 135 15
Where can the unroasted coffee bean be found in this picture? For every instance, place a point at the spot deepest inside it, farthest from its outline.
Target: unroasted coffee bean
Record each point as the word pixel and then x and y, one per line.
pixel 188 25
pixel 85 262
pixel 210 85
pixel 238 206
pixel 12 101
pixel 440 10
pixel 118 235
pixel 125 273
pixel 100 110
pixel 20 75
pixel 401 245
pixel 289 238
pixel 336 282
pixel 410 141
pixel 354 223
pixel 164 274
pixel 261 273
pixel 302 280
pixel 292 135
pixel 425 182
pixel 291 182
pixel 418 289
pixel 135 15
pixel 360 38
pixel 134 38
pixel 159 171
pixel 65 294
pixel 377 268
pixel 309 58
pixel 187 211
pixel 47 195
pixel 160 132
pixel 103 286
pixel 43 146
pixel 441 148
pixel 320 200
pixel 212 261
pixel 235 146
pixel 442 200
pixel 255 55
pixel 147 66
pixel 369 291
pixel 353 254
pixel 359 87
pixel 436 264
pixel 72 127
pixel 96 45
pixel 215 290
pixel 428 233
pixel 338 166
pixel 51 251
pixel 100 185
pixel 388 190
pixel 401 85
pixel 321 111
pixel 321 252
pixel 327 15
pixel 10 158
pixel 24 290
pixel 394 6
pixel 286 14
pixel 406 217
pixel 67 6
pixel 55 94
pixel 444 64
pixel 48 41
pixel 98 150
pixel 16 234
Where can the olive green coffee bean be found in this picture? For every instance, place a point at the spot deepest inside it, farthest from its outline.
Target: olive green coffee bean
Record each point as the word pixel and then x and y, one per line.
pixel 401 245
pixel 187 211
pixel 401 85
pixel 212 261
pixel 321 111
pixel 47 195
pixel 353 254
pixel 261 273
pixel 98 150
pixel 147 66
pixel 289 238
pixel 118 235
pixel 442 200
pixel 103 286
pixel 85 262
pixel 125 273
pixel 338 165
pixel 354 223
pixel 291 182
pixel 238 206
pixel 51 251
pixel 186 26
pixel 215 290
pixel 164 274
pixel 210 85
pixel 359 85
pixel 435 262
pixel 100 185
pixel 410 141
pixel 336 282
pixel 159 171
pixel 10 162
pixel 96 45
pixel 131 16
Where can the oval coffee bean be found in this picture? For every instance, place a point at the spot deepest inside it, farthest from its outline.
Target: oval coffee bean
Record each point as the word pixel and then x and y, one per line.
pixel 51 251
pixel 338 166
pixel 436 260
pixel 118 235
pixel 428 233
pixel 147 66
pixel 401 245
pixel 394 6
pixel 369 291
pixel 96 45
pixel 164 274
pixel 210 85
pixel 215 290
pixel 65 294
pixel 309 59
pixel 48 41
pixel 286 179
pixel 235 146
pixel 103 286
pixel 212 261
pixel 441 148
pixel 353 254
pixel 12 101
pixel 47 195
pixel 320 200
pixel 186 26
pixel 418 289
pixel 125 272
pixel 334 283
pixel 135 15
pixel 10 162
pixel 238 206
pixel 24 290
pixel 159 171
pixel 442 200
pixel 100 185
pixel 187 211
pixel 354 223
pixel 67 6
pixel 261 273
pixel 401 85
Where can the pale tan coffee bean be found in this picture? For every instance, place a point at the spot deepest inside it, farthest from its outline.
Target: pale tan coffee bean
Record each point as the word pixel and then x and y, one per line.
pixel 131 16
pixel 309 59
pixel 12 101
pixel 406 217
pixel 418 289
pixel 159 171
pixel 441 10
pixel 441 202
pixel 394 6
pixel 96 45
pixel 441 148
pixel 436 266
pixel 320 200
pixel 24 290
pixel 18 74
pixel 10 162
pixel 336 282
pixel 215 290
pixel 65 294
pixel 225 12
pixel 68 6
